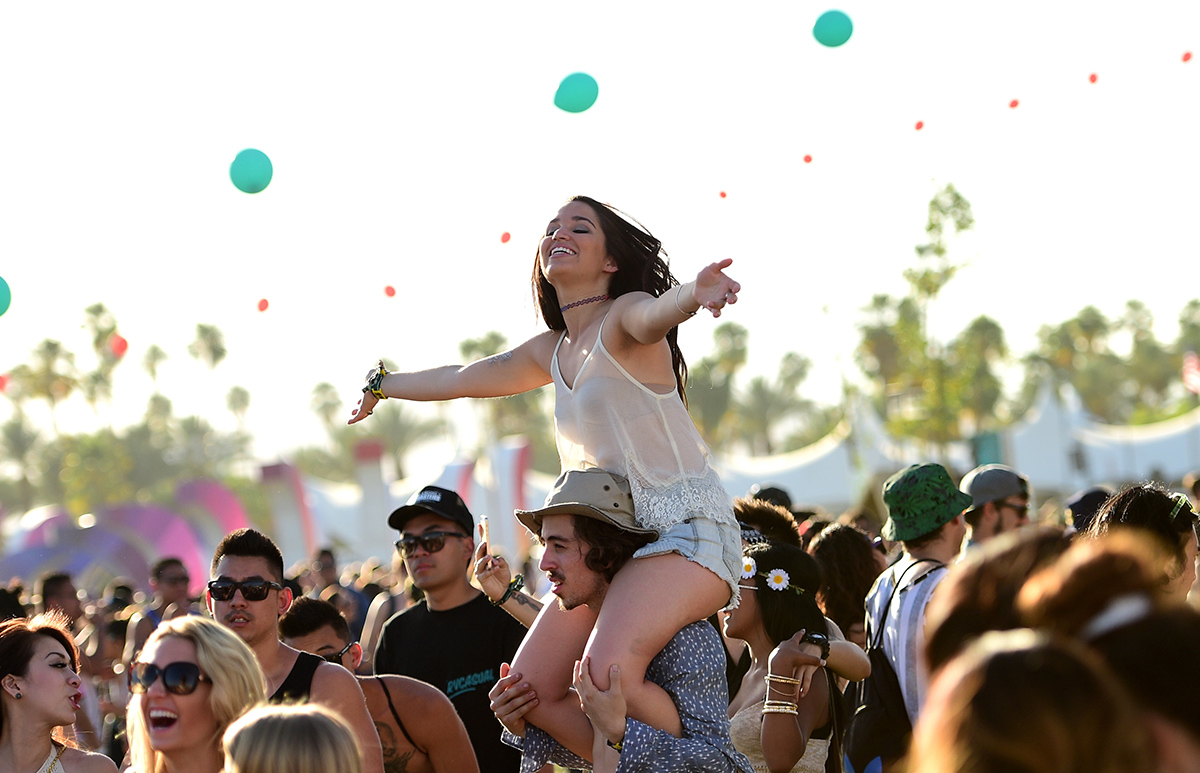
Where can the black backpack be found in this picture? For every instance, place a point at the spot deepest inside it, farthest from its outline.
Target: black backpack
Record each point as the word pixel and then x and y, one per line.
pixel 878 731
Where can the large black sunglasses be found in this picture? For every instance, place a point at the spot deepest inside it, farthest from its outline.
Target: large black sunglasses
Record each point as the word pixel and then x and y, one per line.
pixel 252 590
pixel 337 658
pixel 179 678
pixel 430 542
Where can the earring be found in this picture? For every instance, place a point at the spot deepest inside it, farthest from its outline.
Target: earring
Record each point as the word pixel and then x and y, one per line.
pixel 18 696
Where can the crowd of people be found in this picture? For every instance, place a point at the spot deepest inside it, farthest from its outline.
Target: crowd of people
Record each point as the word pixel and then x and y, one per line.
pixel 678 631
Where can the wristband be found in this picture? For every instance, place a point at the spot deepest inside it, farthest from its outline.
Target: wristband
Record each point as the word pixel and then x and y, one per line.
pixel 616 745
pixel 517 583
pixel 375 381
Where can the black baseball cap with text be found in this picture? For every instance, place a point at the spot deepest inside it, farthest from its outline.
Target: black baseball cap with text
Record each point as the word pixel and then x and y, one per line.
pixel 439 501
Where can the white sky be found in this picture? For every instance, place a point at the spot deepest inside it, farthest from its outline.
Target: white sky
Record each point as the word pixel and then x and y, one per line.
pixel 407 137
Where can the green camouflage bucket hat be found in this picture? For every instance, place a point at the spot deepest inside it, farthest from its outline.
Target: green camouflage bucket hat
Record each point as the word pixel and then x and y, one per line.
pixel 919 500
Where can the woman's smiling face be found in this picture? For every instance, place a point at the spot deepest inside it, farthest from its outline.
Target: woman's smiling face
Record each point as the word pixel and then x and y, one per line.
pixel 176 723
pixel 574 242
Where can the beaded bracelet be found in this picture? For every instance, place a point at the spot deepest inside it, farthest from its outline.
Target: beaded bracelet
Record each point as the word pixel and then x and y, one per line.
pixel 780 707
pixel 515 585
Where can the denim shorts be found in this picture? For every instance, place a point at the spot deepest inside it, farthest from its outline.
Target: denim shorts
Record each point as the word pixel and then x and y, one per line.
pixel 715 546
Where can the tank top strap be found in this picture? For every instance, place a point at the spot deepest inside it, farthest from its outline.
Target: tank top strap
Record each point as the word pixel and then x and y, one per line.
pixel 387 694
pixel 298 684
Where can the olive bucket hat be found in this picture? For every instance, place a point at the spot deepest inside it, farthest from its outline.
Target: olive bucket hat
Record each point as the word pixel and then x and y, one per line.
pixel 919 500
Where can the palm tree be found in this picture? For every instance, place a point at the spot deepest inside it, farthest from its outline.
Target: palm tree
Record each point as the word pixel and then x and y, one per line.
pixel 238 402
pixel 208 346
pixel 153 358
pixel 327 403
pixel 401 429
pixel 52 377
pixel 19 442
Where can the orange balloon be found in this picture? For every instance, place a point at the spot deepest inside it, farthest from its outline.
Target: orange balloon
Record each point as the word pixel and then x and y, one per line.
pixel 808 159
pixel 920 125
pixel 1014 103
pixel 504 237
pixel 1187 56
pixel 3 382
pixel 1092 77
pixel 389 291
pixel 117 345
pixel 262 305
pixel 722 194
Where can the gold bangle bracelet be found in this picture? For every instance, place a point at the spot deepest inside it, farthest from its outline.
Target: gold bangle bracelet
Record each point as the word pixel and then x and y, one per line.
pixel 781 710
pixel 781 679
pixel 779 704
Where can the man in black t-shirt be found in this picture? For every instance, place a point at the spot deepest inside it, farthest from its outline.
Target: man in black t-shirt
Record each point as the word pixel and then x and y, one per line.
pixel 454 639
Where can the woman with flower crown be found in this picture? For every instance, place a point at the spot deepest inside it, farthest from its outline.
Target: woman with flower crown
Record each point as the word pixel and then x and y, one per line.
pixel 788 714
pixel 613 309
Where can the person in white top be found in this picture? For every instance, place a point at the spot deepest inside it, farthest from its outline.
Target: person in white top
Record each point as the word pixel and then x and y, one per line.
pixel 613 308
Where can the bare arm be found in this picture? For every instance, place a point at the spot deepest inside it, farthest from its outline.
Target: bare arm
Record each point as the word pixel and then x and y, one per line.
pixel 785 736
pixel 493 575
pixel 336 688
pixel 647 319
pixel 436 727
pixel 517 370
pixel 846 659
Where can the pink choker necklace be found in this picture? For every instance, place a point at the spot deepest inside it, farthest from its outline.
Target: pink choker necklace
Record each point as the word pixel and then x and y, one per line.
pixel 584 302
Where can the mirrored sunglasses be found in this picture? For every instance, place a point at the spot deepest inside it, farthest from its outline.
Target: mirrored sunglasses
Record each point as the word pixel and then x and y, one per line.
pixel 178 678
pixel 252 590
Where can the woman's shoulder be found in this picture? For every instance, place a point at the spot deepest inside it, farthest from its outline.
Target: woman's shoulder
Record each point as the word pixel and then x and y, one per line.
pixel 80 761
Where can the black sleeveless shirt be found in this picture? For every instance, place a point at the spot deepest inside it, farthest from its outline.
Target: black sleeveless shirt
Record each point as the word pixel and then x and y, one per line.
pixel 298 684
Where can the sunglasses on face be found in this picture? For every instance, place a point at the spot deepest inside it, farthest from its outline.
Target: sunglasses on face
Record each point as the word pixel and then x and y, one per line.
pixel 337 658
pixel 252 590
pixel 178 678
pixel 430 542
pixel 1019 509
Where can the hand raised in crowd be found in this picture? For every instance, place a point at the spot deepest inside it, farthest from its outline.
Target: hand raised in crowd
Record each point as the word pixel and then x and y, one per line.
pixel 796 659
pixel 491 572
pixel 511 699
pixel 714 289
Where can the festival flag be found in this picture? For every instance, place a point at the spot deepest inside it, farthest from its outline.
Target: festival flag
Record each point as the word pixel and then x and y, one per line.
pixel 1191 372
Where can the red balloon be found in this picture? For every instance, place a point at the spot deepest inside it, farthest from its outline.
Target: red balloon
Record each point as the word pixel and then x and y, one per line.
pixel 504 237
pixel 722 194
pixel 808 159
pixel 1092 77
pixel 390 291
pixel 1014 103
pixel 3 382
pixel 920 125
pixel 262 305
pixel 1187 56
pixel 117 345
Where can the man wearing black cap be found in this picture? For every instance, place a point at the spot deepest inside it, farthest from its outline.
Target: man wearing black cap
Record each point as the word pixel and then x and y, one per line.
pixel 454 639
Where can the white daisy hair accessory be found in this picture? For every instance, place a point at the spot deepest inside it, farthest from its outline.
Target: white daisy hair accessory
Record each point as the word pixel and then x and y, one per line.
pixel 749 567
pixel 777 579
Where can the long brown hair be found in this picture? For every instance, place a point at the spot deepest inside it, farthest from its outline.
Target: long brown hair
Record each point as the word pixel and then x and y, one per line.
pixel 641 266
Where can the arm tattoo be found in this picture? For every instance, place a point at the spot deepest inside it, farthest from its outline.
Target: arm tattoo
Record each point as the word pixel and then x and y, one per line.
pixel 496 359
pixel 527 601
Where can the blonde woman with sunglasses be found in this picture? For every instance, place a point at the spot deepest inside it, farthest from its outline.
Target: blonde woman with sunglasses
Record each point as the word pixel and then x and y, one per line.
pixel 191 681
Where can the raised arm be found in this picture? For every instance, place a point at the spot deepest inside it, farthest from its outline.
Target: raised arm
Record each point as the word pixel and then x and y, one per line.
pixel 493 575
pixel 519 369
pixel 648 319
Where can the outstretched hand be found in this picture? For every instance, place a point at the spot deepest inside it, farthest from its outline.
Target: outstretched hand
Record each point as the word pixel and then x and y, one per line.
pixel 714 289
pixel 366 406
pixel 606 709
pixel 511 700
pixel 797 660
pixel 492 572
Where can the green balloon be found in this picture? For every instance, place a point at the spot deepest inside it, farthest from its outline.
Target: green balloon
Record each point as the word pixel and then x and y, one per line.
pixel 577 92
pixel 832 29
pixel 251 171
pixel 5 296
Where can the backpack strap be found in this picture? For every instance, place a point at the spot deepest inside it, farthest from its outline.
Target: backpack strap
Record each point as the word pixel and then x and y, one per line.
pixel 878 642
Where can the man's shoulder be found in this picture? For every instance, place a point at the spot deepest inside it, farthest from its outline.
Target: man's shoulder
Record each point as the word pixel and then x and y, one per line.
pixel 697 644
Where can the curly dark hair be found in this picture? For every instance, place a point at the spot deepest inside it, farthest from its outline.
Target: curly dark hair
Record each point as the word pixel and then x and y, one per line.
pixel 641 266
pixel 772 521
pixel 849 565
pixel 609 548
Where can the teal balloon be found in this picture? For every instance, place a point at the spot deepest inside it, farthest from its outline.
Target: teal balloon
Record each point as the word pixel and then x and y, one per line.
pixel 577 92
pixel 251 171
pixel 5 296
pixel 832 29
